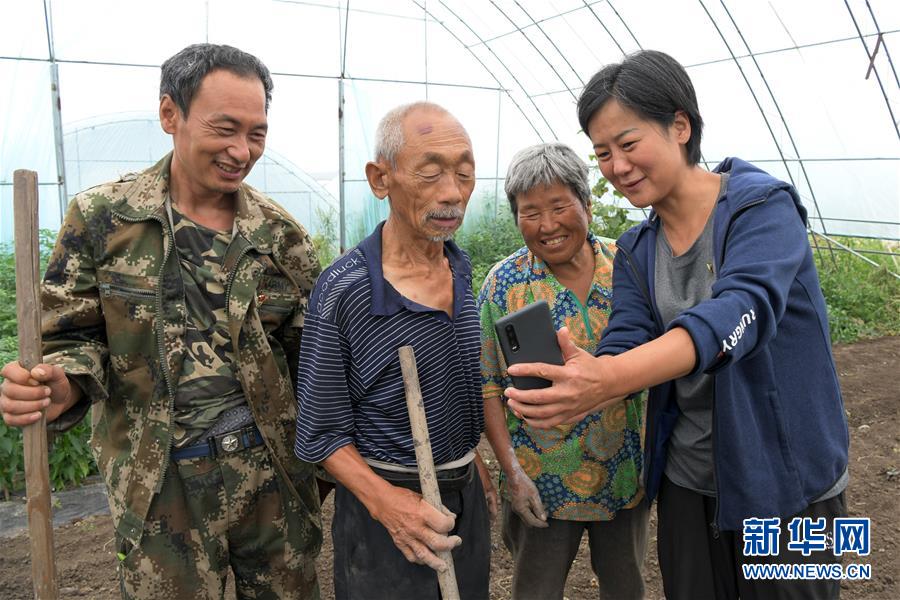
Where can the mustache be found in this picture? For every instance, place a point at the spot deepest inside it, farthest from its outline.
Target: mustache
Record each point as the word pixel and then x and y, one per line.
pixel 450 212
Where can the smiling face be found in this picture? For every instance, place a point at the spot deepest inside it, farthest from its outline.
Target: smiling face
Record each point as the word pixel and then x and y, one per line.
pixel 220 139
pixel 640 158
pixel 553 222
pixel 434 175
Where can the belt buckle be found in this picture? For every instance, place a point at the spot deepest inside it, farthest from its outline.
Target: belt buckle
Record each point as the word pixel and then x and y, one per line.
pixel 231 443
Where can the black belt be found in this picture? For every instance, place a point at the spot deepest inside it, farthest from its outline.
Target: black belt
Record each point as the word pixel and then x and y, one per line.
pixel 226 443
pixel 449 480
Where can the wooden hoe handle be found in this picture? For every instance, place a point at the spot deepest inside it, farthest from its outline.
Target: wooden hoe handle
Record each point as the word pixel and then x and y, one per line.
pixel 28 310
pixel 424 459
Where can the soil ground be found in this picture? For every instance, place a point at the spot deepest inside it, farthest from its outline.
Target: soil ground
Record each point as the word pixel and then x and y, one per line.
pixel 868 371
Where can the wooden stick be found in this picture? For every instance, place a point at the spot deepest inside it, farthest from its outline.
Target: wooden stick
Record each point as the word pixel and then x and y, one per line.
pixel 425 460
pixel 28 309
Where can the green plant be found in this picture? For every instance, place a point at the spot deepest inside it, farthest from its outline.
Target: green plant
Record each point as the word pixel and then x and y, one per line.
pixel 8 320
pixel 863 300
pixel 487 241
pixel 11 460
pixel 70 457
pixel 325 240
pixel 607 220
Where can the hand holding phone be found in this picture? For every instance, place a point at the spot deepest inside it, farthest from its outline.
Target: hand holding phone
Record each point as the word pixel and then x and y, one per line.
pixel 528 336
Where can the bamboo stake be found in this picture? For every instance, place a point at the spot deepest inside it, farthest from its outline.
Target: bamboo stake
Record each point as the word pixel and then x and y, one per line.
pixel 425 460
pixel 28 309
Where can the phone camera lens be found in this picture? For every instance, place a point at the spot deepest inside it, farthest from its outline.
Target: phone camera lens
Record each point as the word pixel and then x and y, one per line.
pixel 513 340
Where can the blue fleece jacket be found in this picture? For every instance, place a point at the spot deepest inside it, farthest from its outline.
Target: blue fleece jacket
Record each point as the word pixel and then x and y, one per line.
pixel 780 435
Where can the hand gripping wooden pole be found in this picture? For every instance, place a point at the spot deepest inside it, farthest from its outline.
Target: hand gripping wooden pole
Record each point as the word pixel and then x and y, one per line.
pixel 424 459
pixel 28 309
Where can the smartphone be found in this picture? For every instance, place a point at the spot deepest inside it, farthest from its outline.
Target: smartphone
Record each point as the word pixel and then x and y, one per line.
pixel 528 336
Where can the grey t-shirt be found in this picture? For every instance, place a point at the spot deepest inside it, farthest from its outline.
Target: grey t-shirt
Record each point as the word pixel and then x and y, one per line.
pixel 681 283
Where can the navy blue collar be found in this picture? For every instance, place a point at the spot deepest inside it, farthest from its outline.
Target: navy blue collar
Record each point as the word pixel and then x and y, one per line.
pixel 386 300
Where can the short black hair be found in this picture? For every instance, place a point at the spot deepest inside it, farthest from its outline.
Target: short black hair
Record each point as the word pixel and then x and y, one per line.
pixel 183 73
pixel 653 85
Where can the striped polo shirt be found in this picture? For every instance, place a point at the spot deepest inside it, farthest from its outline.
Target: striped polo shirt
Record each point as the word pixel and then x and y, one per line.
pixel 350 388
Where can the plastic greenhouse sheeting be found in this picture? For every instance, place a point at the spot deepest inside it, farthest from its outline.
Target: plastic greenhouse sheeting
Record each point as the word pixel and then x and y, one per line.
pixel 806 89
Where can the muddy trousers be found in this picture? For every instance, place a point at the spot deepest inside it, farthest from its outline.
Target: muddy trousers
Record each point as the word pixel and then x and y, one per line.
pixel 542 557
pixel 215 515
pixel 368 566
pixel 698 563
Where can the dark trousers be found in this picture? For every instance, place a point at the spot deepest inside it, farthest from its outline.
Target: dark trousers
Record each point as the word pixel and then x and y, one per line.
pixel 543 556
pixel 698 563
pixel 368 566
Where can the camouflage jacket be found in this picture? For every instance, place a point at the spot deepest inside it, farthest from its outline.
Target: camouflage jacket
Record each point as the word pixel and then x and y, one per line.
pixel 114 315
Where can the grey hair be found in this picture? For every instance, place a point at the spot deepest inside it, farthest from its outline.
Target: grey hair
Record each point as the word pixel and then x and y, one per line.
pixel 543 165
pixel 183 73
pixel 389 134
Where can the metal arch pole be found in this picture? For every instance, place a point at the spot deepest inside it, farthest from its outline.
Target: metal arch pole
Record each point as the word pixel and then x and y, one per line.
pixel 883 43
pixel 853 252
pixel 57 116
pixel 605 28
pixel 871 57
pixel 342 203
pixel 509 72
pixel 527 39
pixel 58 141
pixel 787 129
pixel 497 153
pixel 552 43
pixel 758 104
pixel 342 215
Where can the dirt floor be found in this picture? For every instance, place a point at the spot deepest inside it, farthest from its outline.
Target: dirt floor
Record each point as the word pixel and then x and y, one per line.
pixel 869 377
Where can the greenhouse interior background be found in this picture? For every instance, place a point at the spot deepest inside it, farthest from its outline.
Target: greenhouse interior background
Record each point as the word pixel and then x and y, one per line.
pixel 808 90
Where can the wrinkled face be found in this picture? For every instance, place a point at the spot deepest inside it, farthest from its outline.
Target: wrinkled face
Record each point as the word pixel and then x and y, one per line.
pixel 223 135
pixel 434 176
pixel 639 157
pixel 553 222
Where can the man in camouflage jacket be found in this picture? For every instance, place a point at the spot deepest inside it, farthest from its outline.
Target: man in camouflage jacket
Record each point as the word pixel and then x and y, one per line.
pixel 116 309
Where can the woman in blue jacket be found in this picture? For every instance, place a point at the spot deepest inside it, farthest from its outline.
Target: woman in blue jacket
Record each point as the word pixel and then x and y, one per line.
pixel 716 307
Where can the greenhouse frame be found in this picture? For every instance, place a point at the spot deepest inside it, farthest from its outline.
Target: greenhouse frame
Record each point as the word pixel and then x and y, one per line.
pixel 807 90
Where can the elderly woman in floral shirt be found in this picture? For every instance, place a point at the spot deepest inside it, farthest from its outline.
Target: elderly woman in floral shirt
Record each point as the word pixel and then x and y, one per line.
pixel 558 483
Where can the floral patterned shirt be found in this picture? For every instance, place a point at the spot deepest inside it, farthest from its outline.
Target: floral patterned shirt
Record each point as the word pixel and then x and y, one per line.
pixel 589 470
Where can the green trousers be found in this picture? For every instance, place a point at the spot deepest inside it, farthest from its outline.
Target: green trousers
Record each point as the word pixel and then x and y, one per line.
pixel 215 514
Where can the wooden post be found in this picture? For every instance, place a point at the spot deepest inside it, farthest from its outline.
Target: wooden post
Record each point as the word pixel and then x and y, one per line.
pixel 28 309
pixel 425 460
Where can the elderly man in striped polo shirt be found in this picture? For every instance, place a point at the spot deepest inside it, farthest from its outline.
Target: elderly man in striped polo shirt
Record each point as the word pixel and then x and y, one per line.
pixel 405 284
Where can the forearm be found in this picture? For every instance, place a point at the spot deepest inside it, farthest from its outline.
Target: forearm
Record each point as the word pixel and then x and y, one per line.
pixel 668 357
pixel 586 384
pixel 349 468
pixel 497 433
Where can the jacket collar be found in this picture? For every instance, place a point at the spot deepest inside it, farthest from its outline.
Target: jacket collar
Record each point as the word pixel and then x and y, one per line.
pixel 145 199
